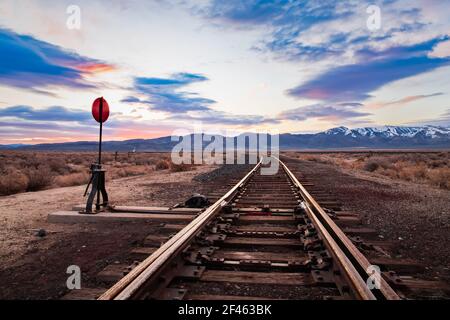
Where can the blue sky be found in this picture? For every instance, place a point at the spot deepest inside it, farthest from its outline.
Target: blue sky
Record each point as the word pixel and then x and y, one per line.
pixel 290 66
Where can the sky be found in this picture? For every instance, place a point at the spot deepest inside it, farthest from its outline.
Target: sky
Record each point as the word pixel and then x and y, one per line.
pixel 220 66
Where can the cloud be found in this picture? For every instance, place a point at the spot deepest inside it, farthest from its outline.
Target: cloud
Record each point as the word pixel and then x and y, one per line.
pixel 246 12
pixel 328 112
pixel 442 120
pixel 355 82
pixel 163 94
pixel 441 50
pixel 272 12
pixel 39 130
pixel 284 20
pixel 55 113
pixel 131 99
pixel 27 62
pixel 326 31
pixel 213 117
pixel 403 101
pixel 342 112
pixel 56 124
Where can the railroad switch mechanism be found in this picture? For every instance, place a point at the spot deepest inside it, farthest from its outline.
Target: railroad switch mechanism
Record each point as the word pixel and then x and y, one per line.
pixel 98 188
pixel 197 201
pixel 100 112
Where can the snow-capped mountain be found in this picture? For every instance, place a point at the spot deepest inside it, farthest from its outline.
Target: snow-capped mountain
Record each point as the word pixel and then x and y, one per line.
pixel 392 131
pixel 388 137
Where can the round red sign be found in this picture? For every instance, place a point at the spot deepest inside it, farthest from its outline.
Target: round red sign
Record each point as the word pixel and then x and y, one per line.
pixel 96 110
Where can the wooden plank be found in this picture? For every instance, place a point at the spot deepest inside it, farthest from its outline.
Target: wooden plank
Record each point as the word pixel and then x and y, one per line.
pixel 273 202
pixel 366 233
pixel 155 240
pixel 347 221
pixel 265 256
pixel 112 273
pixel 244 210
pixel 244 241
pixel 331 203
pixel 269 197
pixel 385 244
pixel 143 251
pixel 273 278
pixel 422 285
pixel 222 297
pixel 173 227
pixel 271 206
pixel 399 265
pixel 75 217
pixel 259 228
pixel 265 219
pixel 346 214
pixel 84 294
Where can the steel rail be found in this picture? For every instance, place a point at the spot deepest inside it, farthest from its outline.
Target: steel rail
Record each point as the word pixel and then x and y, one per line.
pixel 354 264
pixel 129 285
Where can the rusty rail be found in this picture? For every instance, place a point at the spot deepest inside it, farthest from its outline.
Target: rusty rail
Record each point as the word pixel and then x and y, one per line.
pixel 148 269
pixel 349 260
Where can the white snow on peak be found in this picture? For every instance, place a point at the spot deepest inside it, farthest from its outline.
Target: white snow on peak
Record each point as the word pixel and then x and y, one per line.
pixel 391 131
pixel 338 130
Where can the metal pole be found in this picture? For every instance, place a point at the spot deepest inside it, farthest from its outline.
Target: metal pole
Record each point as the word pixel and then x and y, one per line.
pixel 101 132
pixel 100 153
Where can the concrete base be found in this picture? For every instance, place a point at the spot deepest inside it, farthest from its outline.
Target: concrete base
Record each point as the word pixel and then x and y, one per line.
pixel 131 209
pixel 75 217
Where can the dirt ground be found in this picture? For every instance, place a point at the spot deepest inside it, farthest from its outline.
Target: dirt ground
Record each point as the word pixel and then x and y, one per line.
pixel 414 216
pixel 417 217
pixel 34 267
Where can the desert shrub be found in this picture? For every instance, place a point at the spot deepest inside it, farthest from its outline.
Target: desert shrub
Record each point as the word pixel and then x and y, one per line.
pixel 39 178
pixel 144 161
pixel 162 164
pixel 438 163
pixel 73 179
pixel 371 166
pixel 180 167
pixel 77 160
pixel 120 164
pixel 412 173
pixel 136 170
pixel 119 173
pixel 107 157
pixel 58 165
pixel 13 182
pixel 440 177
pixel 391 173
pixel 311 158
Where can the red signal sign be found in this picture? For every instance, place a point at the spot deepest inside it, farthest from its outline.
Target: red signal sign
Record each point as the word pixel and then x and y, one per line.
pixel 100 103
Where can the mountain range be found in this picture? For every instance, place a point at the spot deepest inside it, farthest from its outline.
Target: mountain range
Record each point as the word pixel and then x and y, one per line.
pixel 387 137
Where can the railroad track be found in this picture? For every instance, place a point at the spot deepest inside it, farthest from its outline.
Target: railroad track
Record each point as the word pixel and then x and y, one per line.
pixel 266 237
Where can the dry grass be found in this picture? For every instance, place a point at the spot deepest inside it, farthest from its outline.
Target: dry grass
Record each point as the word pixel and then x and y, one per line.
pixel 181 167
pixel 72 179
pixel 166 163
pixel 428 168
pixel 162 164
pixel 22 171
